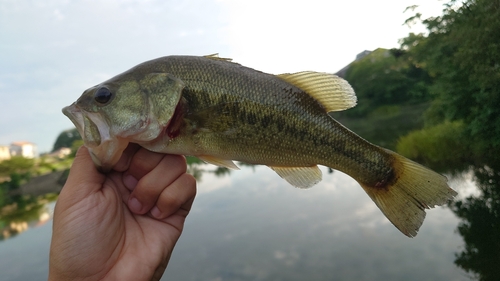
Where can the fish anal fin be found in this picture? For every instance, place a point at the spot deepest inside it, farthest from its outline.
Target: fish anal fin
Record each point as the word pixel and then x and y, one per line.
pixel 219 162
pixel 414 189
pixel 301 177
pixel 331 91
pixel 216 57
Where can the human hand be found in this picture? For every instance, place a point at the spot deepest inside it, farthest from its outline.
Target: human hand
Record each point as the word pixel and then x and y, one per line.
pixel 122 225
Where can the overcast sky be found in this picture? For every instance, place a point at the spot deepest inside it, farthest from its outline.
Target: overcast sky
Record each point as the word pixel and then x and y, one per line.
pixel 51 51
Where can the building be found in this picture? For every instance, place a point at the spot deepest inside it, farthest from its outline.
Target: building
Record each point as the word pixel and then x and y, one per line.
pixel 4 152
pixel 61 152
pixel 24 149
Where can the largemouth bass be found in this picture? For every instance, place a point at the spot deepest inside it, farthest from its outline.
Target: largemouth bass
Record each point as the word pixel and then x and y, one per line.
pixel 221 111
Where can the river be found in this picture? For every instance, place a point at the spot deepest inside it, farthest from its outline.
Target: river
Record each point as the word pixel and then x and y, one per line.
pixel 251 225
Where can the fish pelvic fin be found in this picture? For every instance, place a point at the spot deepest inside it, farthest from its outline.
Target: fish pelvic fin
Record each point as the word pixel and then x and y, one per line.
pixel 301 177
pixel 218 162
pixel 331 91
pixel 414 189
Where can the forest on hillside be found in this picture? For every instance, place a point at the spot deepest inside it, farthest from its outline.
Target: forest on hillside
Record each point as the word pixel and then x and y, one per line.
pixel 453 71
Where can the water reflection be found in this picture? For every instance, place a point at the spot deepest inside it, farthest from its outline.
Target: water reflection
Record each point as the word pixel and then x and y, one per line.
pixel 480 225
pixel 20 212
pixel 479 213
pixel 251 225
pixel 23 202
pixel 255 226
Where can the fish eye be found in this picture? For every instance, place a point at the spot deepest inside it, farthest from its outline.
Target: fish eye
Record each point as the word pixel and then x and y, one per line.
pixel 103 95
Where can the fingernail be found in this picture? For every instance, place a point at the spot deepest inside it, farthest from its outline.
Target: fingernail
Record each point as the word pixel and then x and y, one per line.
pixel 155 212
pixel 130 182
pixel 134 205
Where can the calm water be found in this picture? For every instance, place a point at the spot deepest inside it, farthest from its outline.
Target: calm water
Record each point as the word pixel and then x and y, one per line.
pixel 251 225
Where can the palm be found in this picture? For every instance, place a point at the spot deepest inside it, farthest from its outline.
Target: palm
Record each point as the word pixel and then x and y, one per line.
pixel 110 240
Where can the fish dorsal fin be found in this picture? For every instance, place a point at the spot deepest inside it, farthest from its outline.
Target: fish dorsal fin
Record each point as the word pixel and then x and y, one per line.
pixel 301 177
pixel 219 162
pixel 216 57
pixel 333 92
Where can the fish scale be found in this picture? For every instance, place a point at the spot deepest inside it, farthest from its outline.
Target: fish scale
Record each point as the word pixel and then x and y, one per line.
pixel 318 135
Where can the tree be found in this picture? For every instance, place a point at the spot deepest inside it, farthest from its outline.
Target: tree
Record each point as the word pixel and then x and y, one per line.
pixel 462 55
pixel 66 139
pixel 16 165
pixel 386 77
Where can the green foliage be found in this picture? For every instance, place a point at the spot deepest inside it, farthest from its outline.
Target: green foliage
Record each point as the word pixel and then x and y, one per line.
pixel 17 179
pixel 4 200
pixel 13 184
pixel 190 160
pixel 385 124
pixel 462 55
pixel 74 147
pixel 386 77
pixel 440 147
pixel 66 139
pixel 16 164
pixel 386 111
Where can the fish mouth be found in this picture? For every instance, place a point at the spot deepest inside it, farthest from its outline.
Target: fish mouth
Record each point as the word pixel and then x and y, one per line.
pixel 104 149
pixel 75 115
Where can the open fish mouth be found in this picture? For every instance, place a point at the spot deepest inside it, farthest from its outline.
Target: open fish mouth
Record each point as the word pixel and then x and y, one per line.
pixel 96 137
pixel 75 115
pixel 92 130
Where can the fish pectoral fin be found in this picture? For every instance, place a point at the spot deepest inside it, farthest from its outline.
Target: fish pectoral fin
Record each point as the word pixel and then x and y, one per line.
pixel 301 177
pixel 219 162
pixel 216 57
pixel 331 91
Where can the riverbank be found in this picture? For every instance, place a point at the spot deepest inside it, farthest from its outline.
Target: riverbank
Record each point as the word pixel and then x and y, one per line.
pixel 41 185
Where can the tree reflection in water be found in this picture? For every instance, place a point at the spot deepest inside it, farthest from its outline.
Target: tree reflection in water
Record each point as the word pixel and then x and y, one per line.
pixel 480 226
pixel 19 210
pixel 22 212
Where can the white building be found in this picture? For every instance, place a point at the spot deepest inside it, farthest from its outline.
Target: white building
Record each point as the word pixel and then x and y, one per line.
pixel 4 152
pixel 24 149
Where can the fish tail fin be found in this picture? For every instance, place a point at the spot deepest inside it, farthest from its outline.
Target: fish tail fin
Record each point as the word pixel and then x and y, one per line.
pixel 414 189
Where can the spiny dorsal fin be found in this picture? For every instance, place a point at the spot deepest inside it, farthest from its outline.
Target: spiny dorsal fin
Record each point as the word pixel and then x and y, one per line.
pixel 219 162
pixel 216 57
pixel 333 92
pixel 301 177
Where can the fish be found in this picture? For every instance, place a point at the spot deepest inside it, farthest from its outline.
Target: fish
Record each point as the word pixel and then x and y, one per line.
pixel 221 111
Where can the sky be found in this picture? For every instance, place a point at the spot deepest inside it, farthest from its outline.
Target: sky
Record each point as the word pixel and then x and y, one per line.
pixel 52 50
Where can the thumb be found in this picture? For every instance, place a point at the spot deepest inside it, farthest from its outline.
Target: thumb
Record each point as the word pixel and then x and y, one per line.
pixel 83 176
